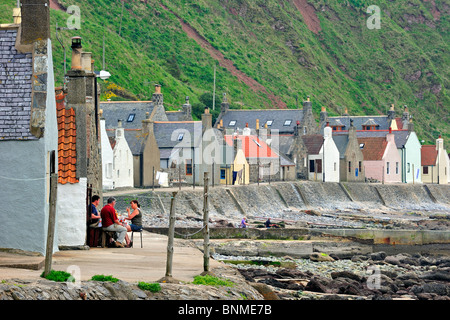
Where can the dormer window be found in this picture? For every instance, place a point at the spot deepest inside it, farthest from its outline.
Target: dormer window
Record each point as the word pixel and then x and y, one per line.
pixel 180 136
pixel 287 123
pixel 131 117
pixel 232 123
pixel 361 145
pixel 368 128
pixel 269 122
pixel 337 128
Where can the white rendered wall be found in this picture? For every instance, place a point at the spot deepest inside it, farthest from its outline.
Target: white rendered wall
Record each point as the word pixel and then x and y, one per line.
pixel 123 161
pixel 107 158
pixel 71 217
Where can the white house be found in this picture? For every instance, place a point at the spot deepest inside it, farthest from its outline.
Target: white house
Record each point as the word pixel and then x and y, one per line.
pixel 323 156
pixel 330 155
pixel 123 160
pixel 107 158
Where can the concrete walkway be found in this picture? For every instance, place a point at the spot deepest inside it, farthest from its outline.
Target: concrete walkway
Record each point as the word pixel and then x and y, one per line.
pixel 129 264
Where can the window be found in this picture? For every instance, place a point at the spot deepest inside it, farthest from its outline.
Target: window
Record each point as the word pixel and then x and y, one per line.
pixel 180 136
pixel 425 170
pixel 189 167
pixel 349 166
pixel 361 145
pixel 335 166
pixel 232 123
pixel 360 166
pixel 396 168
pixel 287 123
pixel 387 167
pixel 409 167
pixel 131 117
pixel 269 123
pixel 222 174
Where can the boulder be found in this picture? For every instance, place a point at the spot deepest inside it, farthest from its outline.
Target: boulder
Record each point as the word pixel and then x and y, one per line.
pixel 320 257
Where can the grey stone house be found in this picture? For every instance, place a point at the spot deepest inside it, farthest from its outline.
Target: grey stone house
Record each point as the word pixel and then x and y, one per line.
pixel 28 128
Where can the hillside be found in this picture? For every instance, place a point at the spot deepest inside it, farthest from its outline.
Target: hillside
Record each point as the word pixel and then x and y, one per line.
pixel 271 53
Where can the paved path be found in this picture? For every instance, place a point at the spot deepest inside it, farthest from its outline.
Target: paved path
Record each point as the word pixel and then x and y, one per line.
pixel 129 264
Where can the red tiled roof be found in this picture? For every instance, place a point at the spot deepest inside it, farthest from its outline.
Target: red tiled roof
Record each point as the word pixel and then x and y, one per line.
pixel 253 147
pixel 313 142
pixel 373 148
pixel 429 155
pixel 67 135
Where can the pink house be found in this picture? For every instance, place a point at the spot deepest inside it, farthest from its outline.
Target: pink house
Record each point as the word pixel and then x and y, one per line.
pixel 382 161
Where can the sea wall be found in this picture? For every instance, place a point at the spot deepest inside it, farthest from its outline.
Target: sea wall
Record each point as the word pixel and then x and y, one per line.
pixel 234 202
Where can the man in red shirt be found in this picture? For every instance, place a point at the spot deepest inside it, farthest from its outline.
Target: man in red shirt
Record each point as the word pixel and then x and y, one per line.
pixel 111 223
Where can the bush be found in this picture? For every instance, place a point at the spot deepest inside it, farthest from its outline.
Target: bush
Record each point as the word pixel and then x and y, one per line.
pixel 104 278
pixel 58 276
pixel 152 287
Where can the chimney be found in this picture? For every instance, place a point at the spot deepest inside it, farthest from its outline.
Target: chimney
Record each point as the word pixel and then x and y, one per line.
pixel 410 124
pixel 187 109
pixel 35 24
pixel 257 127
pixel 206 120
pixel 86 61
pixel 17 16
pixel 76 53
pixel 224 106
pixel 391 112
pixel 157 97
pixel 346 112
pixel 221 124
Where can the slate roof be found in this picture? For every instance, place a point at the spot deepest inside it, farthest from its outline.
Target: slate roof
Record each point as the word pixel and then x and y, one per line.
pixel 121 110
pixel 400 136
pixel 373 148
pixel 429 155
pixel 341 142
pixel 382 122
pixel 168 132
pixel 278 116
pixel 134 138
pixel 16 70
pixel 313 142
pixel 67 136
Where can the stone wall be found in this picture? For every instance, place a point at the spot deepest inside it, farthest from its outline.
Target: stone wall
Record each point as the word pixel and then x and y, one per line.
pixel 234 202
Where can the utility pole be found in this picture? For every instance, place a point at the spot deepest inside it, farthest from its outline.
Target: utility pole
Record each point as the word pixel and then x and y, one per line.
pixel 214 90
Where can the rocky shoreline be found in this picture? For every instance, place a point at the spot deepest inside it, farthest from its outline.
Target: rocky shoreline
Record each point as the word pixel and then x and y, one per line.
pixel 375 276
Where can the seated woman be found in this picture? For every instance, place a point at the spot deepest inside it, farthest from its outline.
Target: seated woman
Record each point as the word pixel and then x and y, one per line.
pixel 135 216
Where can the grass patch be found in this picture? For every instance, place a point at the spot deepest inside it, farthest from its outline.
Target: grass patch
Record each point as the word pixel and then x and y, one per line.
pixel 58 276
pixel 208 280
pixel 152 287
pixel 101 277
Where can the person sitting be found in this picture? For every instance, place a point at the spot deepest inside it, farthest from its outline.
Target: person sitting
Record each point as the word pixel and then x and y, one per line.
pixel 95 219
pixel 135 216
pixel 268 225
pixel 111 223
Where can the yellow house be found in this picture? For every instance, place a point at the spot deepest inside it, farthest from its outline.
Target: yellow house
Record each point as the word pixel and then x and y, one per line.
pixel 237 172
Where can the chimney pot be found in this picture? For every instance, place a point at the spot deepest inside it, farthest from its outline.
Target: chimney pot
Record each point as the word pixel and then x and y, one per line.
pixel 390 129
pixel 76 53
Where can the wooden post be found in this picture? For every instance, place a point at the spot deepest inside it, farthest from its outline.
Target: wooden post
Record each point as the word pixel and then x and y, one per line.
pixel 205 224
pixel 179 177
pixel 171 233
pixel 153 180
pixel 51 223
